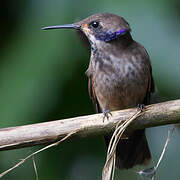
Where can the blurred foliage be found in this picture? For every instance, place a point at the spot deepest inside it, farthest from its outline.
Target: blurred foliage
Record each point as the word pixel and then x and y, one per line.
pixel 42 78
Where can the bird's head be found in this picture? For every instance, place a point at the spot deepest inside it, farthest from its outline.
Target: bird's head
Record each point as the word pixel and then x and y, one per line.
pixel 99 28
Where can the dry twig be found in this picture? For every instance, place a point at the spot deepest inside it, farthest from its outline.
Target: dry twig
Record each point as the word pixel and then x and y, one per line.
pixel 109 168
pixel 36 152
pixel 150 172
pixel 35 168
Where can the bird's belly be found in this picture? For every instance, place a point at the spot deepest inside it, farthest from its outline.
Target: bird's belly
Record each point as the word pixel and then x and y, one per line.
pixel 116 91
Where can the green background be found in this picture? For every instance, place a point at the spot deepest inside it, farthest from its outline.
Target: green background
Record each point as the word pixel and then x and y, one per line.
pixel 42 79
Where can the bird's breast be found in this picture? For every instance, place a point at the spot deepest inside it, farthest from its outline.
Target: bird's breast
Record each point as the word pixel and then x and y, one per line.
pixel 119 83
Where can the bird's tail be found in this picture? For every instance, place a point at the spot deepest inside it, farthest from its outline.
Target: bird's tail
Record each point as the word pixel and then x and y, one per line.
pixel 132 151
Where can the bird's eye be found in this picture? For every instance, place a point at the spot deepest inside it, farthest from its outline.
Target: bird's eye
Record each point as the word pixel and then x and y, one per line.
pixel 95 24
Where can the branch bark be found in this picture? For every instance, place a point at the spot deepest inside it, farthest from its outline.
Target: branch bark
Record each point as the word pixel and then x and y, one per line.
pixel 48 132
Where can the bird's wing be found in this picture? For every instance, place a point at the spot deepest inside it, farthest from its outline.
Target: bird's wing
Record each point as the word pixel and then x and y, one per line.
pixel 151 87
pixel 92 95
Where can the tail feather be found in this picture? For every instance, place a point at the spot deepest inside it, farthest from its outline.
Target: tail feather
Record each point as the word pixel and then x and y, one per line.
pixel 132 151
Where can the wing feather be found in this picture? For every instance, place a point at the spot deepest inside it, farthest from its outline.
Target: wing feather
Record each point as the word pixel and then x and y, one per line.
pixel 92 95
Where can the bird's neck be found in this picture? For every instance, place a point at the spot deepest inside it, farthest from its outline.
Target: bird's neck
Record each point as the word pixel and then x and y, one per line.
pixel 112 47
pixel 124 41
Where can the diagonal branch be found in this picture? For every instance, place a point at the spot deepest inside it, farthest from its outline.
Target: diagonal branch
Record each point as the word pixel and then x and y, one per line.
pixel 48 132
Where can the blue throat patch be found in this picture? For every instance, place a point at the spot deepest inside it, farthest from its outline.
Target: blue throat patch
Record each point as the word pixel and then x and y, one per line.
pixel 109 36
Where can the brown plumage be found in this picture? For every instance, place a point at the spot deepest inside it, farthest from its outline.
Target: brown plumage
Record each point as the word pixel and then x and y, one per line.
pixel 120 77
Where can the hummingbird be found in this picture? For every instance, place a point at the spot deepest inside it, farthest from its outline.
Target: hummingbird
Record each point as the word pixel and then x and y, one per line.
pixel 120 77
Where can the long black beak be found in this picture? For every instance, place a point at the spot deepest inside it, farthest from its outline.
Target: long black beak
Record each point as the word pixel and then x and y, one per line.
pixel 66 26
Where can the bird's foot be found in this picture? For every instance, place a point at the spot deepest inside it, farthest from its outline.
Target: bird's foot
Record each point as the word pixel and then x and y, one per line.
pixel 141 107
pixel 106 114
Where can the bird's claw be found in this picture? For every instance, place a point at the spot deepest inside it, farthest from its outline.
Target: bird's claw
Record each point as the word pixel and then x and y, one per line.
pixel 106 114
pixel 141 107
